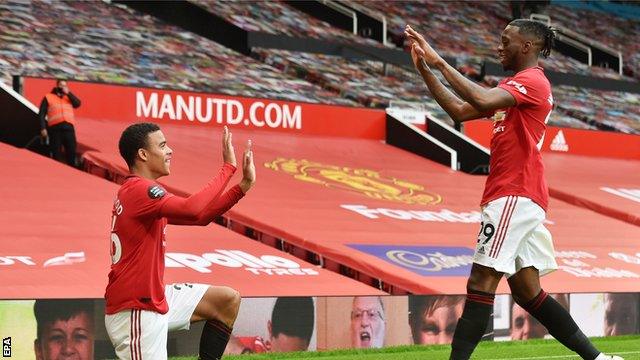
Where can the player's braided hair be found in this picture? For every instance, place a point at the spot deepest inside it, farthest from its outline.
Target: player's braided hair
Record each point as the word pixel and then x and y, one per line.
pixel 133 138
pixel 545 34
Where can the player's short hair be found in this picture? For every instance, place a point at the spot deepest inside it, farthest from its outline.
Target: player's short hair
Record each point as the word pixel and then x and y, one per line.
pixel 293 316
pixel 59 80
pixel 545 34
pixel 133 138
pixel 51 310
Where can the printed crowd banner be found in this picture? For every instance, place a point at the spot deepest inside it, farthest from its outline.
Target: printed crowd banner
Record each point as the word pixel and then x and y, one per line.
pixel 282 324
pixel 130 104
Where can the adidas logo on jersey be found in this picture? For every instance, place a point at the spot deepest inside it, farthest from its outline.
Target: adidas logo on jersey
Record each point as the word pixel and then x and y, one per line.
pixel 559 143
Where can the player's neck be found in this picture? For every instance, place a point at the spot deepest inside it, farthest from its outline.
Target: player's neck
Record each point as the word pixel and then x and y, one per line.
pixel 144 172
pixel 526 64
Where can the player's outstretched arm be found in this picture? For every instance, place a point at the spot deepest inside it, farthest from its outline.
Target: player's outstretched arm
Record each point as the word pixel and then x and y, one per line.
pixel 229 198
pixel 194 206
pixel 457 109
pixel 483 100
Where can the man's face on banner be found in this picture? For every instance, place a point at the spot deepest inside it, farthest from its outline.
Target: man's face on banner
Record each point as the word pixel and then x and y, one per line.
pixel 367 323
pixel 66 339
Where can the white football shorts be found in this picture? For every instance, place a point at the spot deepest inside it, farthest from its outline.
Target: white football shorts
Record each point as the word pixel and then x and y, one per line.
pixel 142 334
pixel 512 237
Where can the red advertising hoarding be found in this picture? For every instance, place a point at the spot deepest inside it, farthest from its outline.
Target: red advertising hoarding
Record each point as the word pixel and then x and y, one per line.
pixel 54 242
pixel 570 141
pixel 130 104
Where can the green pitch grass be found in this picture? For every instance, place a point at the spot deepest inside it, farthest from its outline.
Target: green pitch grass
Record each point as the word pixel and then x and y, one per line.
pixel 626 346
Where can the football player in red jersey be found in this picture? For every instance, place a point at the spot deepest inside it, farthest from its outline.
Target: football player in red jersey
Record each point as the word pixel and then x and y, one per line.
pixel 513 241
pixel 140 309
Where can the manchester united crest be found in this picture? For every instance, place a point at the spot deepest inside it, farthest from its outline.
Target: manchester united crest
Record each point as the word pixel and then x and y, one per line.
pixel 366 182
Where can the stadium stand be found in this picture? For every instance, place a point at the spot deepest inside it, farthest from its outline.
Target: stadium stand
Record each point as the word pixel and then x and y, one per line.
pixel 111 43
pixel 362 81
pixel 606 110
pixel 277 17
pixel 115 49
pixel 617 32
pixel 473 29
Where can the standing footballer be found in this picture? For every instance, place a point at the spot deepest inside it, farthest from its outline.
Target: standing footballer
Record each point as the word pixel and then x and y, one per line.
pixel 513 241
pixel 140 309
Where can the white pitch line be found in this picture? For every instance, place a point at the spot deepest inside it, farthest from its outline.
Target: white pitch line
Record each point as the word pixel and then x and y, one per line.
pixel 564 356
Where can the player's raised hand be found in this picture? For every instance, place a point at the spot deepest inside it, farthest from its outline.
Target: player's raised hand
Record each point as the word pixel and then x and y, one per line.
pixel 429 55
pixel 416 55
pixel 228 153
pixel 248 169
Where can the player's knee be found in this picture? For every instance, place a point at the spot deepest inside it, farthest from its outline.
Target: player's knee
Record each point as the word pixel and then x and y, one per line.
pixel 483 279
pixel 230 300
pixel 234 302
pixel 523 295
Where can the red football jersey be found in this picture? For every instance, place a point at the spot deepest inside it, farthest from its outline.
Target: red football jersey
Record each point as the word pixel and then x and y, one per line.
pixel 137 248
pixel 516 166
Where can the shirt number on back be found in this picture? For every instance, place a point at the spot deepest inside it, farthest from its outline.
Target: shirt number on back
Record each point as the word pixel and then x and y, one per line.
pixel 115 244
pixel 116 248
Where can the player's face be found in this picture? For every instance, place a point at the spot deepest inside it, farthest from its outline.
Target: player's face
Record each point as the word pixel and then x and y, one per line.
pixel 367 323
pixel 524 326
pixel 509 47
pixel 158 154
pixel 439 326
pixel 66 340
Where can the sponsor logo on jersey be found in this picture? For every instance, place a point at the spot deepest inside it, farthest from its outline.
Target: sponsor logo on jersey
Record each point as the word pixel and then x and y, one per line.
pixel 156 192
pixel 518 86
pixel 559 143
pixel 499 116
pixel 423 260
pixel 366 182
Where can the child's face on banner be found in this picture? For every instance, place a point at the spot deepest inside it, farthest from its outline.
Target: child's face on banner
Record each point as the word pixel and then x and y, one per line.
pixel 66 339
